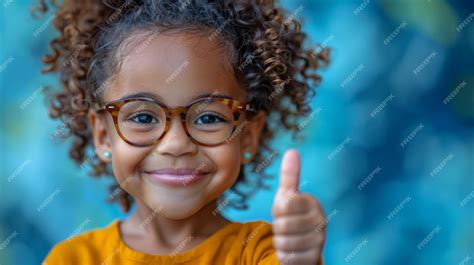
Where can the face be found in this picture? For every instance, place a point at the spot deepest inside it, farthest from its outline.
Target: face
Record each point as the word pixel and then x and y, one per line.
pixel 176 69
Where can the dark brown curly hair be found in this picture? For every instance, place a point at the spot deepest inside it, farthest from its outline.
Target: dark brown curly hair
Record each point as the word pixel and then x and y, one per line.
pixel 271 63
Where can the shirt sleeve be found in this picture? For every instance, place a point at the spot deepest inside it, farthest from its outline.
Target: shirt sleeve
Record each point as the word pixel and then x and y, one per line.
pixel 273 259
pixel 54 257
pixel 259 245
pixel 259 249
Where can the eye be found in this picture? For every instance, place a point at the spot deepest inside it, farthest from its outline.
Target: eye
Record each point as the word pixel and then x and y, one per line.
pixel 143 118
pixel 209 119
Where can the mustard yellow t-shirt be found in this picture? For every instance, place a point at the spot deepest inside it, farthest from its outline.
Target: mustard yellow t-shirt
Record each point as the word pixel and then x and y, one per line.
pixel 235 243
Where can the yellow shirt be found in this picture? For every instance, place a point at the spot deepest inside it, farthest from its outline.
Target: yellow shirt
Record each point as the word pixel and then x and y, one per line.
pixel 235 243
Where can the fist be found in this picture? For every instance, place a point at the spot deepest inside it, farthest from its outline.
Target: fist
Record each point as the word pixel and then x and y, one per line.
pixel 298 219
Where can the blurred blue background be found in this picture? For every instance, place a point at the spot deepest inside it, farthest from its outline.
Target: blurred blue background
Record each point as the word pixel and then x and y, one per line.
pixel 389 151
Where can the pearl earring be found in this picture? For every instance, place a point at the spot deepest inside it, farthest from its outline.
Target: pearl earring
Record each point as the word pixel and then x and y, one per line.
pixel 107 154
pixel 247 155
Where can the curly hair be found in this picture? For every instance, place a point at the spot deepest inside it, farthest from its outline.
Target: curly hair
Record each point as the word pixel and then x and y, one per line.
pixel 270 61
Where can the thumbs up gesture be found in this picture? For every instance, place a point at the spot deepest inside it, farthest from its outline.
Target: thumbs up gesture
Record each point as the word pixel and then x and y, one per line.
pixel 298 219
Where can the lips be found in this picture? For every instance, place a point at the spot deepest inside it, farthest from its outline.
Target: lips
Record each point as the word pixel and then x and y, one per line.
pixel 178 171
pixel 177 176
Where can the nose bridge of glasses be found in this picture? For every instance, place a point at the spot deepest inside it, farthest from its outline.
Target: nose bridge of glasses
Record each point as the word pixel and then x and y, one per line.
pixel 178 111
pixel 181 113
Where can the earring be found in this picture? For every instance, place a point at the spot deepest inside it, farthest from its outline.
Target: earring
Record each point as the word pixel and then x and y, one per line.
pixel 107 154
pixel 247 155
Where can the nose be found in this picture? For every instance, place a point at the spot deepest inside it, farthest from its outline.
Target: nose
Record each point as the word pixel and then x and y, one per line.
pixel 176 142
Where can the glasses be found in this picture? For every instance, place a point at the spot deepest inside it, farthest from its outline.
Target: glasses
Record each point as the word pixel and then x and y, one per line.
pixel 208 121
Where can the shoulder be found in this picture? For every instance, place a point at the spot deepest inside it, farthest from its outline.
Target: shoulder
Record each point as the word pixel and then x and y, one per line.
pixel 247 232
pixel 89 246
pixel 257 230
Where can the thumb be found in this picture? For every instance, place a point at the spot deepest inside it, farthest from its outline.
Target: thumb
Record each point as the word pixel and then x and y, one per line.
pixel 290 172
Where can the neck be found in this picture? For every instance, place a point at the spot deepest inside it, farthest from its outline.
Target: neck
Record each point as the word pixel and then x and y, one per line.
pixel 171 231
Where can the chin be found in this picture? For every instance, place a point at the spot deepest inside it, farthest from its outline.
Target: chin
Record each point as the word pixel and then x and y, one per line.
pixel 173 209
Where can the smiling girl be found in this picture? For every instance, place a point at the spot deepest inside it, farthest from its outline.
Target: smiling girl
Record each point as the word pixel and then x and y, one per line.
pixel 173 98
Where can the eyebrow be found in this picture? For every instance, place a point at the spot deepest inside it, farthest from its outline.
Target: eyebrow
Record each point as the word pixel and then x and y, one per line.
pixel 158 98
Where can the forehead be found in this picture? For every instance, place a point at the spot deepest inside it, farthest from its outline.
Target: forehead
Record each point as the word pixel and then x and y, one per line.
pixel 177 67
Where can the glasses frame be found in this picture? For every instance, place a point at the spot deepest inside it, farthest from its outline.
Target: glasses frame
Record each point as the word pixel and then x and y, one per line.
pixel 237 107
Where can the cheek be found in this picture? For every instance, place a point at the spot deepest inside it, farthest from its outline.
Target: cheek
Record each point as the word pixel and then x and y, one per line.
pixel 125 161
pixel 227 160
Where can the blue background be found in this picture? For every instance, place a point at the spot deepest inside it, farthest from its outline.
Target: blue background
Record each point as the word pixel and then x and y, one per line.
pixel 34 166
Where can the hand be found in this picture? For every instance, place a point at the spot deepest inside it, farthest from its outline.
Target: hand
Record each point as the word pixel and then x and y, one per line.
pixel 298 219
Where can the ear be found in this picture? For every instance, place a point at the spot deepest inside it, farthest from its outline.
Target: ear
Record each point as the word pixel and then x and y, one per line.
pixel 102 141
pixel 250 139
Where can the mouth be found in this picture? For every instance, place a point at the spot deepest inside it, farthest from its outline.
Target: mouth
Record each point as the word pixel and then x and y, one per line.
pixel 177 176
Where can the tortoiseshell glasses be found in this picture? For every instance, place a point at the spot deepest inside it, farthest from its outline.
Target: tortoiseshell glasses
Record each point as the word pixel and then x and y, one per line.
pixel 207 121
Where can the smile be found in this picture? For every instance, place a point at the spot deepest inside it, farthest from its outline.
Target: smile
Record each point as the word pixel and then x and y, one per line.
pixel 176 177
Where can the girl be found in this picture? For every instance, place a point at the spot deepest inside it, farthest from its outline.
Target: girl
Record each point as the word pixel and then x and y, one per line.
pixel 173 99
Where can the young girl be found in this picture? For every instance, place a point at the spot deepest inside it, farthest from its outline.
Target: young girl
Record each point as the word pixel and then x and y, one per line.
pixel 173 98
